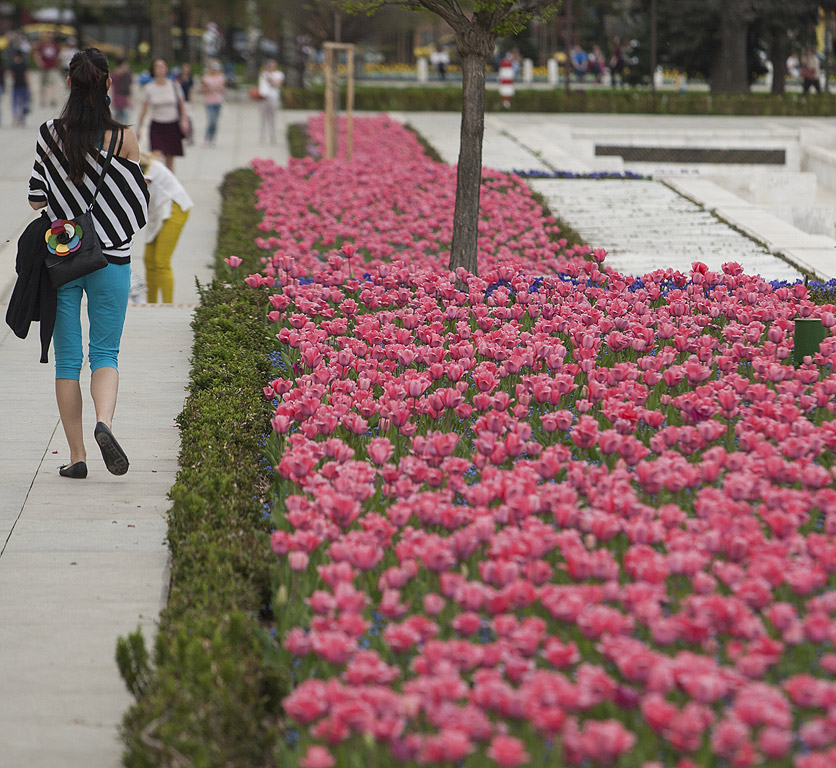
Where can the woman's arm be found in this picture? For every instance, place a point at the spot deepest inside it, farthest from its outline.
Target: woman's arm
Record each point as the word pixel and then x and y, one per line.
pixel 36 206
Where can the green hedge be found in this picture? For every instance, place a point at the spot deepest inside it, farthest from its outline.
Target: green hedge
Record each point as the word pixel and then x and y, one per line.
pixel 210 695
pixel 623 101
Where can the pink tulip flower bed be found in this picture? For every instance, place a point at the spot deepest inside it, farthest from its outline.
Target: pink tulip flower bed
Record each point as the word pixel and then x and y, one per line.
pixel 395 203
pixel 562 518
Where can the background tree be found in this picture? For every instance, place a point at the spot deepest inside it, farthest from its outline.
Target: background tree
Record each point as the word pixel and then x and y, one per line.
pixel 727 42
pixel 476 27
pixel 779 25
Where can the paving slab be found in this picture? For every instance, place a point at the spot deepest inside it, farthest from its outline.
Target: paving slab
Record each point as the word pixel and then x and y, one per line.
pixel 820 261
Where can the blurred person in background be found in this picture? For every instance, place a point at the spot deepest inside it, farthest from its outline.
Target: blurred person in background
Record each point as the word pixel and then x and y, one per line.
pixel 811 71
pixel 120 90
pixel 65 55
pixel 20 88
pixel 46 57
pixel 163 98
pixel 186 79
pixel 168 209
pixel 270 83
pixel 213 89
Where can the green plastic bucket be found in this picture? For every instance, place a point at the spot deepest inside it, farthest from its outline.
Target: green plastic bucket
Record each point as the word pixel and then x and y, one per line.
pixel 809 334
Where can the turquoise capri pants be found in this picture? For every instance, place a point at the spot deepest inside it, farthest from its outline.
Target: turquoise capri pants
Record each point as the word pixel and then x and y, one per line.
pixel 107 292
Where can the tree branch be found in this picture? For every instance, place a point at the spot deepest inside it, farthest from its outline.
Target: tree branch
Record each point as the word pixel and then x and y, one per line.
pixel 449 10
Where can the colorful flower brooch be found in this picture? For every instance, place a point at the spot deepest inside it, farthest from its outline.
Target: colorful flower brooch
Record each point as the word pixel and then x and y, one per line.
pixel 63 237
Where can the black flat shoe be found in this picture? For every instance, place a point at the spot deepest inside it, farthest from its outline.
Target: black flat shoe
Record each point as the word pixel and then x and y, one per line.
pixel 115 459
pixel 77 471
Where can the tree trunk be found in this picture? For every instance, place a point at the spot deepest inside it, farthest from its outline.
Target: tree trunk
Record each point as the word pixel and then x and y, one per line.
pixel 162 22
pixel 475 46
pixel 730 71
pixel 778 57
pixel 289 54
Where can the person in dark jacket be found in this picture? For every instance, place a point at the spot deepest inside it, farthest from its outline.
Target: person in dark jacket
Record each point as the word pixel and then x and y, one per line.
pixel 33 298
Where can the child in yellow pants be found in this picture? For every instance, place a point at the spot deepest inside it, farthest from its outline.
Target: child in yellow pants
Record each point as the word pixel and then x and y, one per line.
pixel 168 210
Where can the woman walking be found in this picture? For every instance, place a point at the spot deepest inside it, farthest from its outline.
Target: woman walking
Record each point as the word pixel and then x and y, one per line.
pixel 21 95
pixel 168 209
pixel 169 119
pixel 186 79
pixel 70 158
pixel 270 83
pixel 213 88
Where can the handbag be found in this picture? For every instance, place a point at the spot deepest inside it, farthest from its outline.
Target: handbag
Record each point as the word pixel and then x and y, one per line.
pixel 183 134
pixel 73 245
pixel 255 94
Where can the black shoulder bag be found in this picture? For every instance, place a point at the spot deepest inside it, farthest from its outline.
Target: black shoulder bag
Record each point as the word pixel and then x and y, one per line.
pixel 73 246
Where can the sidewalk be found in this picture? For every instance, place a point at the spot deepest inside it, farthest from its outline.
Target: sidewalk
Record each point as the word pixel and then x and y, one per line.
pixel 83 562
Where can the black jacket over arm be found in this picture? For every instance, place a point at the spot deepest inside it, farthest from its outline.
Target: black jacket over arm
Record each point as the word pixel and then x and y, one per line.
pixel 33 298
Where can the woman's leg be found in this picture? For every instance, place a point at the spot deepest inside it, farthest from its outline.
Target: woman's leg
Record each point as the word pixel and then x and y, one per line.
pixel 104 387
pixel 66 340
pixel 212 113
pixel 271 105
pixel 151 273
pixel 107 302
pixel 17 105
pixel 166 241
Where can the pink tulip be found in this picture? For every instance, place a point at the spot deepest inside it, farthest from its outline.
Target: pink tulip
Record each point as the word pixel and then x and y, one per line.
pixel 507 751
pixel 317 757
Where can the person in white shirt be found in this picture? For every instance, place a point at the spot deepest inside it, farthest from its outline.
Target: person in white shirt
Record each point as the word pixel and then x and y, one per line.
pixel 440 60
pixel 270 83
pixel 168 210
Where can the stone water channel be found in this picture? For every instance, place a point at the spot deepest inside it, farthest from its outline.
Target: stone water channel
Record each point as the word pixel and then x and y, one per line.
pixel 685 212
pixel 644 225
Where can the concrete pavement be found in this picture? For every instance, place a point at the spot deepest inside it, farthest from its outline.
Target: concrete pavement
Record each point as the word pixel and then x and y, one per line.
pixel 83 562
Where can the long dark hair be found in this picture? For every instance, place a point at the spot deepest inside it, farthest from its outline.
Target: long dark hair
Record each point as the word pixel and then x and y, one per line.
pixel 86 115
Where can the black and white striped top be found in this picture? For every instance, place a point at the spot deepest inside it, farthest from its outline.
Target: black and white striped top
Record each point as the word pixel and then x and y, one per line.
pixel 121 208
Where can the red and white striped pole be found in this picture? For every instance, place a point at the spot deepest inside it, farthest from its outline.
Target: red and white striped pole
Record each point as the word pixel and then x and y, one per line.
pixel 506 81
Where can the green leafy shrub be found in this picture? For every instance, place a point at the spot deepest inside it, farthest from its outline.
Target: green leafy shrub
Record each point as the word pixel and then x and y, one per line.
pixel 211 693
pixel 297 139
pixel 622 101
pixel 238 223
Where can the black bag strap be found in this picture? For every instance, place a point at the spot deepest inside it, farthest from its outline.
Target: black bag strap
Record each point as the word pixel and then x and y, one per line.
pixel 177 100
pixel 114 136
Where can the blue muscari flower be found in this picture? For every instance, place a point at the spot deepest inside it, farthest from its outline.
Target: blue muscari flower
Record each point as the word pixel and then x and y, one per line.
pixel 305 280
pixel 536 173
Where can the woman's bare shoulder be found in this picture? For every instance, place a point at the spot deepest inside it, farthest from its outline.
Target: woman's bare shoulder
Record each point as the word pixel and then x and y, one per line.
pixel 130 146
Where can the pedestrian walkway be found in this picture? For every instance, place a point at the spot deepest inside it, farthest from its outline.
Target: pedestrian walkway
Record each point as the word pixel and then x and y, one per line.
pixel 83 562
